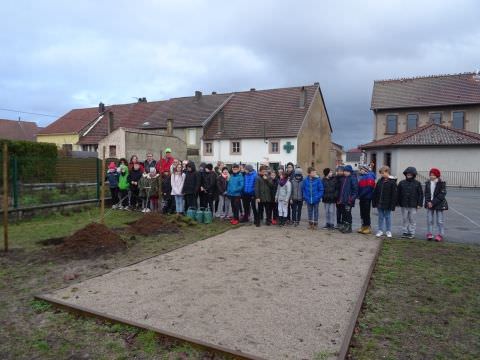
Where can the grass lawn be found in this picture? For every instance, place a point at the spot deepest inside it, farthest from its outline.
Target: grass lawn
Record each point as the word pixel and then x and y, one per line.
pixel 33 329
pixel 423 302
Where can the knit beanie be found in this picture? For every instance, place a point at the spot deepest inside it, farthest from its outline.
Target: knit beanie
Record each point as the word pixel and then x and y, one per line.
pixel 326 171
pixel 298 171
pixel 340 168
pixel 209 166
pixel 112 166
pixel 249 168
pixel 348 168
pixel 364 168
pixel 435 172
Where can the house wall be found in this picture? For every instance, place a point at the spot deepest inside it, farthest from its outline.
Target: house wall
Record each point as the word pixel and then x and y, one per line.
pixel 61 139
pixel 315 129
pixel 252 151
pixel 194 147
pixel 447 158
pixel 472 118
pixel 115 138
pixel 140 144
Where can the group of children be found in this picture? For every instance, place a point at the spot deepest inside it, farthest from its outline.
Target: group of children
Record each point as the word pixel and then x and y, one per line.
pixel 278 196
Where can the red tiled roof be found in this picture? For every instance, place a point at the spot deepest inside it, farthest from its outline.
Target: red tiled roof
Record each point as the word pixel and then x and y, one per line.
pixel 124 115
pixel 185 111
pixel 18 130
pixel 355 150
pixel 439 90
pixel 263 113
pixel 427 135
pixel 72 122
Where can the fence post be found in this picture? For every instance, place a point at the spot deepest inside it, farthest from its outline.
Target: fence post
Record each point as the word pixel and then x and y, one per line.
pixel 102 196
pixel 5 196
pixel 98 177
pixel 15 181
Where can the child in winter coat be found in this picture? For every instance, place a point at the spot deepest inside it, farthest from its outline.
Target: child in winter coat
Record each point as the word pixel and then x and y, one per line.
pixel 366 185
pixel 223 200
pixel 385 199
pixel 191 186
pixel 263 195
pixel 312 194
pixel 330 195
pixel 134 177
pixel 435 203
pixel 208 188
pixel 248 194
pixel 123 186
pixel 296 201
pixel 410 199
pixel 149 189
pixel 176 182
pixel 167 198
pixel 234 192
pixel 273 175
pixel 112 178
pixel 282 197
pixel 348 193
pixel 339 178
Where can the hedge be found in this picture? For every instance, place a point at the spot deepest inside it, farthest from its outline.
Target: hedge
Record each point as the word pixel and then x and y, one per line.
pixel 35 161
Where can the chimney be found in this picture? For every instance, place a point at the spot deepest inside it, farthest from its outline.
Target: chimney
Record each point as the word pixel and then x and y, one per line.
pixel 252 89
pixel 169 126
pixel 142 100
pixel 316 83
pixel 110 126
pixel 101 108
pixel 198 95
pixel 214 93
pixel 303 96
pixel 221 120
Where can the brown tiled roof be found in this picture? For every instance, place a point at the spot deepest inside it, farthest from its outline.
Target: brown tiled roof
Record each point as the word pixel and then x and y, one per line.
pixel 18 130
pixel 124 115
pixel 439 90
pixel 427 135
pixel 185 111
pixel 72 122
pixel 263 113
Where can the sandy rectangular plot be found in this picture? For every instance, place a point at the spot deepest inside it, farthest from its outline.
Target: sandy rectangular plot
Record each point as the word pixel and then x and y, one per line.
pixel 274 293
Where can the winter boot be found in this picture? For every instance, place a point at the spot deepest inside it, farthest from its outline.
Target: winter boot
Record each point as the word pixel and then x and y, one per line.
pixel 361 230
pixel 367 230
pixel 347 228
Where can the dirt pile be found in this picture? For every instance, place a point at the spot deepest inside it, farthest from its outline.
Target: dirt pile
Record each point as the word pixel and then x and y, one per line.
pixel 153 223
pixel 94 239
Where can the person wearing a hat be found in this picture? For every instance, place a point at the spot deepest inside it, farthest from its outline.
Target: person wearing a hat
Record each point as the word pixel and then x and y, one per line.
pixel 112 178
pixel 330 195
pixel 435 203
pixel 208 188
pixel 248 195
pixel 296 200
pixel 366 185
pixel 346 198
pixel 234 192
pixel 166 162
pixel 410 199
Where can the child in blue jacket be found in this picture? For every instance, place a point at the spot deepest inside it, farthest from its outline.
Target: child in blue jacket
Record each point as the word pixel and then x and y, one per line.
pixel 346 198
pixel 234 192
pixel 312 194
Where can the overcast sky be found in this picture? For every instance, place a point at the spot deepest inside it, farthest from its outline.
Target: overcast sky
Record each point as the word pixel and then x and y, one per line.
pixel 58 55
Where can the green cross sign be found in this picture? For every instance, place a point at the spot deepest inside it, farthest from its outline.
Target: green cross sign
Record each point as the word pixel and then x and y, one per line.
pixel 288 147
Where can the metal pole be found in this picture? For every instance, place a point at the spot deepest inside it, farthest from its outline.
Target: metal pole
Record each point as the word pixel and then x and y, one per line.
pixel 5 196
pixel 102 196
pixel 15 181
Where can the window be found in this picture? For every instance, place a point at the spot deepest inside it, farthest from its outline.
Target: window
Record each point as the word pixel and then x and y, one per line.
pixel 391 124
pixel 387 159
pixel 436 118
pixel 274 147
pixel 112 151
pixel 192 136
pixel 373 162
pixel 67 147
pixel 313 148
pixel 458 120
pixel 208 148
pixel 412 121
pixel 235 148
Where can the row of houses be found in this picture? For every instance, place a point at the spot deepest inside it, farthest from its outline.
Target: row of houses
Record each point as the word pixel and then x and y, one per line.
pixel 274 126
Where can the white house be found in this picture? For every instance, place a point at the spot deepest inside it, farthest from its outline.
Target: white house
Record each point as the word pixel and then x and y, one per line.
pixel 272 127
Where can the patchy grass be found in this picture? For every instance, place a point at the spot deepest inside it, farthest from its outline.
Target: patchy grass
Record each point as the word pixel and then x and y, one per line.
pixel 31 328
pixel 423 302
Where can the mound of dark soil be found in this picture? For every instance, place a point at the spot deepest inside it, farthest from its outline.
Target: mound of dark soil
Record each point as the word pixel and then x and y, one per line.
pixel 153 223
pixel 94 239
